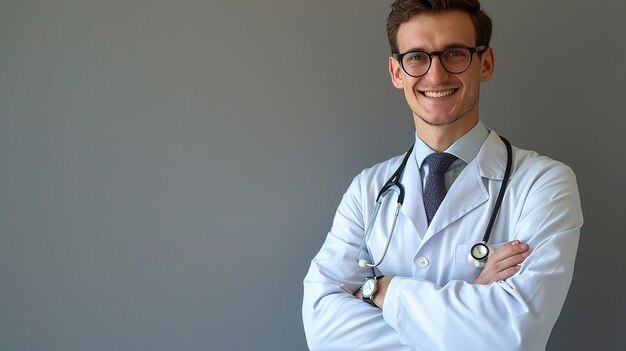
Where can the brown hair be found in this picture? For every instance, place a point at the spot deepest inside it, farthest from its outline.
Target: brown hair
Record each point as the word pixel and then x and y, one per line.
pixel 403 10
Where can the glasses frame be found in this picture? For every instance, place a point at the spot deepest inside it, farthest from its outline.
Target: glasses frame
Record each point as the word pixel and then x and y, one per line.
pixel 400 58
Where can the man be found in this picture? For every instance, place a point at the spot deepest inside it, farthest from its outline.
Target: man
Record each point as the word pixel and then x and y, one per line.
pixel 425 294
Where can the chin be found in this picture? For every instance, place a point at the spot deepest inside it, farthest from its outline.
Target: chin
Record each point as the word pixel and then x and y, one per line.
pixel 450 118
pixel 441 121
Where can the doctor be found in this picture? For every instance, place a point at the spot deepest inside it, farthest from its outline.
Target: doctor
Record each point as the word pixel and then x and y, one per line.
pixel 424 295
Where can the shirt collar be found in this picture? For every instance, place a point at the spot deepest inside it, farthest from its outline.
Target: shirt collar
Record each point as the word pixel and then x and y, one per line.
pixel 465 148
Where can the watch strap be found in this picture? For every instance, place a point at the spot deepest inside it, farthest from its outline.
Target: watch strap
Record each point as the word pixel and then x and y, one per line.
pixel 369 300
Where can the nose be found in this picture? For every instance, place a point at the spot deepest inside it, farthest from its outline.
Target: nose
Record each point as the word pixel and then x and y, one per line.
pixel 436 73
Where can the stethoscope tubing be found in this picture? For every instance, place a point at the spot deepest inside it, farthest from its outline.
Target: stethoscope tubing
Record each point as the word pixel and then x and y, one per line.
pixel 393 184
pixel 503 186
pixel 368 231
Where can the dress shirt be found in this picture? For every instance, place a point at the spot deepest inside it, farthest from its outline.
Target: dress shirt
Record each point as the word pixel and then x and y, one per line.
pixel 466 148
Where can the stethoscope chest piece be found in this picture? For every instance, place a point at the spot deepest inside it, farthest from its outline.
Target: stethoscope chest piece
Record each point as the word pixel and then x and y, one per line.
pixel 478 255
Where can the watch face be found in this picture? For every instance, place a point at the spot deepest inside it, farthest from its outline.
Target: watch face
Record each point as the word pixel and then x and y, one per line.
pixel 369 287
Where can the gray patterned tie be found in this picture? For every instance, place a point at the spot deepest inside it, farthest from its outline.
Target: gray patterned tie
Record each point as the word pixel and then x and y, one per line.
pixel 435 189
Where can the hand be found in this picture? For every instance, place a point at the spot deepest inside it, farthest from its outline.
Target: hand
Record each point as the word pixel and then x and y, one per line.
pixel 503 263
pixel 379 297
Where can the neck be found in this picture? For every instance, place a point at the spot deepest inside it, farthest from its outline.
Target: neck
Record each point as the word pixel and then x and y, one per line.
pixel 440 137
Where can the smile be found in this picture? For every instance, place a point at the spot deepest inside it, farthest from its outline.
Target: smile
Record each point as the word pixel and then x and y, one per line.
pixel 438 94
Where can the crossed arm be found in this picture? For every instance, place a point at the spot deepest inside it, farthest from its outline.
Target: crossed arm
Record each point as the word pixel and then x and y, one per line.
pixel 501 265
pixel 516 313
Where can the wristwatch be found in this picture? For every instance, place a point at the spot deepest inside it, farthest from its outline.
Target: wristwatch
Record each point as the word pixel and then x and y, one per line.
pixel 369 289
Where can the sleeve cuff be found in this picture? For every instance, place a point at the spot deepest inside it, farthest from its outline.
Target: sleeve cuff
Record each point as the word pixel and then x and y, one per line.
pixel 390 310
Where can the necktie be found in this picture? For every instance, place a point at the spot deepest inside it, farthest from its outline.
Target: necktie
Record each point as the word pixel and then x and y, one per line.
pixel 435 189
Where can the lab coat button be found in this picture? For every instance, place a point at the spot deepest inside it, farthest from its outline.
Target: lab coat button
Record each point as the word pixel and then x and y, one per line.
pixel 422 262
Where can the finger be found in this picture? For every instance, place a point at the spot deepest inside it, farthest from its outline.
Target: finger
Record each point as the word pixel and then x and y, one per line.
pixel 501 275
pixel 506 274
pixel 489 272
pixel 495 266
pixel 511 261
pixel 513 248
pixel 501 264
pixel 510 249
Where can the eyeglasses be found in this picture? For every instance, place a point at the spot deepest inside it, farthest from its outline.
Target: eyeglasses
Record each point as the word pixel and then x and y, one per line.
pixel 454 60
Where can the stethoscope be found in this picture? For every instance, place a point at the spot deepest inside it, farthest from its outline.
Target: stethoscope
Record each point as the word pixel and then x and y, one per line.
pixel 479 252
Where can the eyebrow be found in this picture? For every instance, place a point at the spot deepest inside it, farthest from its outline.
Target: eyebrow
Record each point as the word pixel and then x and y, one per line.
pixel 449 46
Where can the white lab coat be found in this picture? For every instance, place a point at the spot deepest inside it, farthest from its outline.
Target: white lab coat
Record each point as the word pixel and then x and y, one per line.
pixel 431 303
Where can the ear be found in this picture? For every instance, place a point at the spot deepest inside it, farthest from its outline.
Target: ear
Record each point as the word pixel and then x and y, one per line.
pixel 487 64
pixel 396 73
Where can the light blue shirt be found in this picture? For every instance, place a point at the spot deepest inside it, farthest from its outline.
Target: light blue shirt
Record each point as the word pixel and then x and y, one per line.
pixel 466 148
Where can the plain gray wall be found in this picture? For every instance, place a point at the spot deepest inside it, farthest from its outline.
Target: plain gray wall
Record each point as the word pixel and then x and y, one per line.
pixel 169 168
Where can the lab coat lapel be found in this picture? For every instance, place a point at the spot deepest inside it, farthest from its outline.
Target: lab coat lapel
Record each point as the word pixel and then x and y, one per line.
pixel 469 190
pixel 413 207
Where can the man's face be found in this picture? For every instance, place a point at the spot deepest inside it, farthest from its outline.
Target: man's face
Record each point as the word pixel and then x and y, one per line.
pixel 440 98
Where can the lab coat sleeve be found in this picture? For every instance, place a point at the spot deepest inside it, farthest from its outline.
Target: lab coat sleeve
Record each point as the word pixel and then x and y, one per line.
pixel 516 314
pixel 333 318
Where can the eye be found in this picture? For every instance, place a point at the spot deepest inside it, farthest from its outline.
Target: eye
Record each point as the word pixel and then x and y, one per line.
pixel 456 53
pixel 416 57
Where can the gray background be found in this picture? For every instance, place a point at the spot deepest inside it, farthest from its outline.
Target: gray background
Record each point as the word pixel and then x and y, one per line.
pixel 169 168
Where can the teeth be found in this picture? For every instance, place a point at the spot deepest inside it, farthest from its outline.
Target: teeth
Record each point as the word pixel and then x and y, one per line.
pixel 438 94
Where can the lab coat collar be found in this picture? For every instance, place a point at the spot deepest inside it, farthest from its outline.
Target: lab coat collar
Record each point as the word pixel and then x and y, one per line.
pixel 465 148
pixel 491 158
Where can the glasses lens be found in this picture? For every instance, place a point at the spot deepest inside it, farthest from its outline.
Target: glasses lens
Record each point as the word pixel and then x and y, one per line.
pixel 456 60
pixel 416 63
